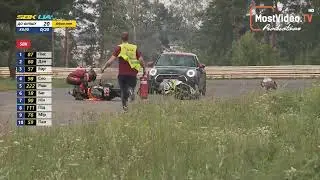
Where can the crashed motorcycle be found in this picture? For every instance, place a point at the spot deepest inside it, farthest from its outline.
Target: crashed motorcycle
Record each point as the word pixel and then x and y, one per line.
pixel 100 92
pixel 178 89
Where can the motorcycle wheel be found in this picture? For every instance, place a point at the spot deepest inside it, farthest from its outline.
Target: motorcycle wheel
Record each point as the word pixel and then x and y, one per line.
pixel 203 91
pixel 197 94
pixel 77 94
pixel 78 97
pixel 181 92
pixel 109 98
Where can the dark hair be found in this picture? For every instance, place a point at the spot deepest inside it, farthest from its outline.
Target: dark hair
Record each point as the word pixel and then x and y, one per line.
pixel 125 36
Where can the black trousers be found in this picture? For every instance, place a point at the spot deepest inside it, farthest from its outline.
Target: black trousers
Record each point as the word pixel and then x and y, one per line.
pixel 125 83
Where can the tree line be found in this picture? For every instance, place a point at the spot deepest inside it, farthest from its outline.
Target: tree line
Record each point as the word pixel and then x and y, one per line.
pixel 217 31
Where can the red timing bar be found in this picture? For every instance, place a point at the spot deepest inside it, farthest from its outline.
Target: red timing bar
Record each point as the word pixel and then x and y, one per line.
pixel 23 43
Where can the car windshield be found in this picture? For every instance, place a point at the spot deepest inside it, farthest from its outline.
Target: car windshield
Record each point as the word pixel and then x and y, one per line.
pixel 176 60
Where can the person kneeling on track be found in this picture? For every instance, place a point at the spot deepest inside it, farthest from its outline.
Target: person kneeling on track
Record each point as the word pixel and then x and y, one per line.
pixel 80 78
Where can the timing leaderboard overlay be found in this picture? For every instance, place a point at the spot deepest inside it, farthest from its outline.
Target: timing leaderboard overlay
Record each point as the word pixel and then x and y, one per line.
pixel 34 70
pixel 34 88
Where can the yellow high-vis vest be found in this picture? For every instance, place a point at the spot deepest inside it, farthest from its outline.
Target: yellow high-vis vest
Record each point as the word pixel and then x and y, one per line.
pixel 128 53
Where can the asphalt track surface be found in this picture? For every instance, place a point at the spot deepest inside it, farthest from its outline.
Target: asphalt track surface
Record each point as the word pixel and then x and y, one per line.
pixel 67 110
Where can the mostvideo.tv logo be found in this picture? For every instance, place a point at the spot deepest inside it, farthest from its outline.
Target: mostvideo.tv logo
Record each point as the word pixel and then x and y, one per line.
pixel 276 21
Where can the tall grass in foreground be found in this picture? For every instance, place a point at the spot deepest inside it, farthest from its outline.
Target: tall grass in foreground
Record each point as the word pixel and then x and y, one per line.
pixel 274 136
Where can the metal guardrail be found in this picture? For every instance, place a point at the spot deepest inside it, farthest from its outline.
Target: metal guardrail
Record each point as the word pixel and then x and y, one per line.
pixel 216 72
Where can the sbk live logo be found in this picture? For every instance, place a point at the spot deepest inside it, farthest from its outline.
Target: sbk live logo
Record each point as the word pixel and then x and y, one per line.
pixel 276 22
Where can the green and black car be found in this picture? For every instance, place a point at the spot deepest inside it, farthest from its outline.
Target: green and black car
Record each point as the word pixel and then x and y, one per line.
pixel 181 66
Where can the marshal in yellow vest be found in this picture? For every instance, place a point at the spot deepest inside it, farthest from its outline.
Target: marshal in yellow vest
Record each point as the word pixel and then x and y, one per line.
pixel 128 53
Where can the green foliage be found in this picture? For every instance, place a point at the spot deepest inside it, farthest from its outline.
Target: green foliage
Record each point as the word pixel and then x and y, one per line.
pixel 314 56
pixel 210 31
pixel 299 46
pixel 249 52
pixel 151 25
pixel 9 10
pixel 221 28
pixel 270 136
pixel 4 37
pixel 88 55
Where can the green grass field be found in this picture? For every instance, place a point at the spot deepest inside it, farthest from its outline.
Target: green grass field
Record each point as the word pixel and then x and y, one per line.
pixel 7 84
pixel 266 137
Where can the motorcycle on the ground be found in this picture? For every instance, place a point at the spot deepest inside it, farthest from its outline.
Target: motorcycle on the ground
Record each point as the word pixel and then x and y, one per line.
pixel 178 89
pixel 100 92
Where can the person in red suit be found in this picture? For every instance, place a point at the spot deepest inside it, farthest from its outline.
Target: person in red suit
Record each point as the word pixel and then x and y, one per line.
pixel 80 78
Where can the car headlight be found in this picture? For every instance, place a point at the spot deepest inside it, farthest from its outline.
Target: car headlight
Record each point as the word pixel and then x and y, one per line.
pixel 153 72
pixel 191 73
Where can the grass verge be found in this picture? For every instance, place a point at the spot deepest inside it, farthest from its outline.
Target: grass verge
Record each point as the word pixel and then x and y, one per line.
pixel 7 84
pixel 273 136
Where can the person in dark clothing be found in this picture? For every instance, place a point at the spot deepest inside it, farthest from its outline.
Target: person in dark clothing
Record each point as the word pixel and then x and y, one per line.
pixel 130 62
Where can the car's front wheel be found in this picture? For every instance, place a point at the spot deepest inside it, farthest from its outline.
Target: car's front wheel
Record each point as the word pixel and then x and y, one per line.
pixel 203 90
